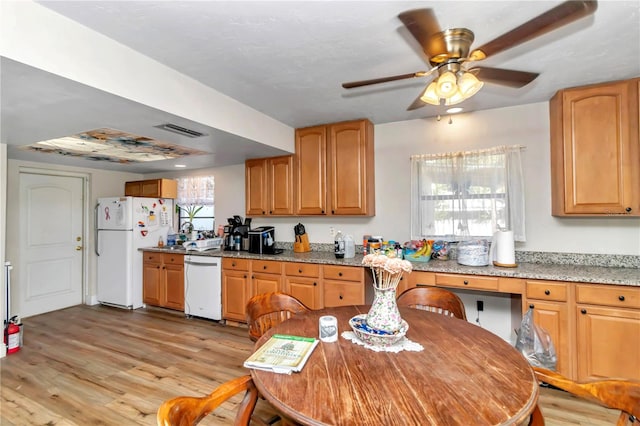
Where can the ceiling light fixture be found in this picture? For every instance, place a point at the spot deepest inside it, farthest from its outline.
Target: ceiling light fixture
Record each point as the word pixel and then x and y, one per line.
pixel 180 166
pixel 454 110
pixel 452 86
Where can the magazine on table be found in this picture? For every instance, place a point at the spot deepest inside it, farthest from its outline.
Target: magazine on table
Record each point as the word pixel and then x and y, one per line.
pixel 282 354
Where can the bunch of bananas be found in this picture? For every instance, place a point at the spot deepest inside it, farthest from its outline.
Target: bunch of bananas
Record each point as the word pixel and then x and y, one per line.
pixel 424 251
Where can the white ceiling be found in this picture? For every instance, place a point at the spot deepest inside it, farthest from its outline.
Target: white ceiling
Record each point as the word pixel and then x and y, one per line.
pixel 288 60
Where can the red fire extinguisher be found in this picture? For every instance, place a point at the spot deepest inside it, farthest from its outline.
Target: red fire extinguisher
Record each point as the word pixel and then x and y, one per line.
pixel 12 336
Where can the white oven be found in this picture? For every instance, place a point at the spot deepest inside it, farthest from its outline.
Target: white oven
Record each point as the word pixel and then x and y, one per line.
pixel 202 286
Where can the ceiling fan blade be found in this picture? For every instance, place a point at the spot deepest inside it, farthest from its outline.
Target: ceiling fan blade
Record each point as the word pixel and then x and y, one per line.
pixel 418 103
pixel 555 18
pixel 422 24
pixel 510 78
pixel 353 84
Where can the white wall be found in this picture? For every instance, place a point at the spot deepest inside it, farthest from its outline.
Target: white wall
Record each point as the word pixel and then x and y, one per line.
pixel 527 125
pixel 3 230
pixel 101 183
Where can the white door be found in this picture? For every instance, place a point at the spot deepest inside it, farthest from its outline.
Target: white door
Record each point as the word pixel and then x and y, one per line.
pixel 51 243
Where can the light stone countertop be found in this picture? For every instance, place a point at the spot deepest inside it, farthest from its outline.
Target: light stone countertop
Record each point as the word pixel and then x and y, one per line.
pixel 538 271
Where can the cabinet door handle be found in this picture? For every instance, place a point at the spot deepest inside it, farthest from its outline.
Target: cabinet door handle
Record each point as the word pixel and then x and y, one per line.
pixel 333 211
pixel 315 283
pixel 322 211
pixel 339 274
pixel 245 276
pixel 547 292
pixel 465 282
pixel 628 209
pixel 621 298
pixel 264 267
pixel 270 212
pixel 531 306
pixel 340 297
pixel 583 311
pixel 263 212
pixel 299 271
pixel 233 264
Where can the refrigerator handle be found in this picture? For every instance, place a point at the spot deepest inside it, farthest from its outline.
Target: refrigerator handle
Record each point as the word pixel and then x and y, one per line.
pixel 95 239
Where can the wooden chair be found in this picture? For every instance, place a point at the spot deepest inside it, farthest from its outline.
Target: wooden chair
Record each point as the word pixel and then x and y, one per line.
pixel 190 410
pixel 433 299
pixel 269 309
pixel 620 395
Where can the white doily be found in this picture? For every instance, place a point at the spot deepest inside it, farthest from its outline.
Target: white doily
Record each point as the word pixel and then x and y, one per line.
pixel 403 344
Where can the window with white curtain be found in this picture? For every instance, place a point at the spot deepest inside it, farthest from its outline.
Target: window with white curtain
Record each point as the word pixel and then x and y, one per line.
pixel 467 194
pixel 195 197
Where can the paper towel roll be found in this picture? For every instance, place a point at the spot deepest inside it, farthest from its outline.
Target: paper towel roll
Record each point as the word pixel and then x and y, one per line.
pixel 504 250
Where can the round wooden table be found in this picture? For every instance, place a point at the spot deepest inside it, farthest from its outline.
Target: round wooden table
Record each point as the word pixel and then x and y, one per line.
pixel 464 376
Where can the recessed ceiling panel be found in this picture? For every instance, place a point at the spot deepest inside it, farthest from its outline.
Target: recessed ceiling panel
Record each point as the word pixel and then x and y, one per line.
pixel 112 146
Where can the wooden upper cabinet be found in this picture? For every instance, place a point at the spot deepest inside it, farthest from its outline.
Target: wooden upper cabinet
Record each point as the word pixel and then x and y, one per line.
pixel 351 166
pixel 280 185
pixel 256 187
pixel 335 169
pixel 269 186
pixel 311 171
pixel 595 158
pixel 153 188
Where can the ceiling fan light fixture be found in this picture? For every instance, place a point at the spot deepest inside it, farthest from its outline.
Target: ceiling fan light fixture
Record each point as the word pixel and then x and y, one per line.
pixel 430 96
pixel 446 85
pixel 455 98
pixel 469 84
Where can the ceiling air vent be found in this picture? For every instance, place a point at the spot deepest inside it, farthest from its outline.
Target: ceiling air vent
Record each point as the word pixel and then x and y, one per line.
pixel 180 130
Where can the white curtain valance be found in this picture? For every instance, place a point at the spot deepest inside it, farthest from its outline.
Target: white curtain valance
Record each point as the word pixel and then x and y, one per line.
pixel 195 191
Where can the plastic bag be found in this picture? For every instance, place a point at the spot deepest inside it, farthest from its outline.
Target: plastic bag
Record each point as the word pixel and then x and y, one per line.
pixel 535 344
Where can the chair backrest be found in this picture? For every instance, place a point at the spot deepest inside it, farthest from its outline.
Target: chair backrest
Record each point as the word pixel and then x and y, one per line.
pixel 620 395
pixel 433 299
pixel 269 309
pixel 189 410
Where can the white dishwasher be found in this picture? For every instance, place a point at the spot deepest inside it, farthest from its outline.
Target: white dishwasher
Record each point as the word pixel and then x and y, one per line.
pixel 202 287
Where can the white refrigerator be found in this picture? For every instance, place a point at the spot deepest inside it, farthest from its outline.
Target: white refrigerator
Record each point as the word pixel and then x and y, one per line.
pixel 124 225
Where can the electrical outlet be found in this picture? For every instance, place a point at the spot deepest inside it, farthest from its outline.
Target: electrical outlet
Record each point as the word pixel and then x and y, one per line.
pixel 480 305
pixel 332 231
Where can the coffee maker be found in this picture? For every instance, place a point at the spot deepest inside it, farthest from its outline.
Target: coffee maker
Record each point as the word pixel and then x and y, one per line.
pixel 236 234
pixel 262 240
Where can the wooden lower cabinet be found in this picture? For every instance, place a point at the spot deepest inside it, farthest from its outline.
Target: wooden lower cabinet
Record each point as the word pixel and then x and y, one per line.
pixel 174 286
pixel 343 285
pixel 163 280
pixel 266 277
pixel 302 281
pixel 595 328
pixel 608 332
pixel 236 289
pixel 151 278
pixel 314 285
pixel 551 312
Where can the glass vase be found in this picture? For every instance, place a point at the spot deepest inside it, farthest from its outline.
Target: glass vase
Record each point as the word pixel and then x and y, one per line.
pixel 384 313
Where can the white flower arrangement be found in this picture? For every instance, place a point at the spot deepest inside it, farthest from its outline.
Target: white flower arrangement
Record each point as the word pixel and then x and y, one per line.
pixel 387 271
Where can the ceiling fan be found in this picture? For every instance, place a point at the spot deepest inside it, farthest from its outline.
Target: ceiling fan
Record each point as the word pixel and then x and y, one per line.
pixel 449 53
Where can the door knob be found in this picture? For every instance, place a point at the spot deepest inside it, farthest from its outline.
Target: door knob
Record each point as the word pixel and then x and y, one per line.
pixel 78 238
pixel 78 248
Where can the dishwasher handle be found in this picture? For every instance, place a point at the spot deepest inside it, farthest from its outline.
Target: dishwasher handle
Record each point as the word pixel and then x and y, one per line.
pixel 196 263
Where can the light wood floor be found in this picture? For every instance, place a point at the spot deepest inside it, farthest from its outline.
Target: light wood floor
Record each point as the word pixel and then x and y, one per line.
pixel 106 366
